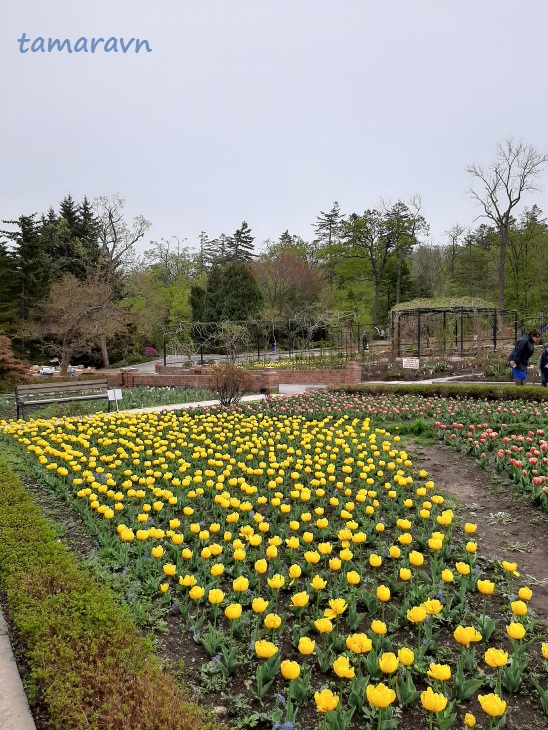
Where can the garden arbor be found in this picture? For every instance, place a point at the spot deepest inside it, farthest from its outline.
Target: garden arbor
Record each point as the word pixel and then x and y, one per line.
pixel 463 328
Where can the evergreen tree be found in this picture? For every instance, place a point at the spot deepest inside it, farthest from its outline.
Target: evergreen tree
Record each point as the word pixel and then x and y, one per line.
pixel 8 290
pixel 327 227
pixel 240 245
pixel 197 302
pixel 212 308
pixel 87 230
pixel 206 253
pixel 239 295
pixel 32 266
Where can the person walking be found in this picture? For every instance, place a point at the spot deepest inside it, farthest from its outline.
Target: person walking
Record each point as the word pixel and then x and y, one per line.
pixel 543 365
pixel 519 359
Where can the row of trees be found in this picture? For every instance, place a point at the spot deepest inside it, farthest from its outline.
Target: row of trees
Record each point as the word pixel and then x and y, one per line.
pixel 72 280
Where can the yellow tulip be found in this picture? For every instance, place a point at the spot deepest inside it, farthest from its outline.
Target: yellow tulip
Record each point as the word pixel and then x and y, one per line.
pixel 465 635
pixel 272 621
pixel 326 701
pixel 343 668
pixel 496 657
pixel 337 606
pixel 299 600
pixel 265 649
pixel 295 571
pixel 433 606
pixel 486 587
pixel 318 583
pixel 383 593
pixel 433 701
pixel 447 576
pixel 240 584
pixel 525 593
pixel 323 625
pixel 359 643
pixel 196 593
pixel 215 596
pixel 379 627
pixel 417 614
pixel 416 558
pixel 515 631
pixel 380 695
pixel 492 704
pixel 510 567
pixel 233 611
pixel 441 672
pixel 519 608
pixel 259 605
pixel 277 581
pixel 388 662
pixel 406 656
pixel 306 645
pixel 290 670
pixel 353 578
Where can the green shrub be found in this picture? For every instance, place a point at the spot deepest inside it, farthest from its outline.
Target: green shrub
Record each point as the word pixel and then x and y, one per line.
pixel 85 656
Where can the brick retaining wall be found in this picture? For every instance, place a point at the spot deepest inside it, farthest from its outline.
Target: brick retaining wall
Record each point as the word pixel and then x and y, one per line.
pixel 268 379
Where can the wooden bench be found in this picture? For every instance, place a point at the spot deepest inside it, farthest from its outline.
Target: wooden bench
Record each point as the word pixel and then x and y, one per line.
pixel 60 392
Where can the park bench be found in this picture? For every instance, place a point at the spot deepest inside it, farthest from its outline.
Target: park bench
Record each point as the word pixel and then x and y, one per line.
pixel 59 392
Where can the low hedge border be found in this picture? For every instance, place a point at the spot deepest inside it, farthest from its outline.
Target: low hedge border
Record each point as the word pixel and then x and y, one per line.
pixel 449 390
pixel 92 668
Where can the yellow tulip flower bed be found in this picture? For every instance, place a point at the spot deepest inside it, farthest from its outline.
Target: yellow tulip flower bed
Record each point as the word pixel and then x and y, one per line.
pixel 310 555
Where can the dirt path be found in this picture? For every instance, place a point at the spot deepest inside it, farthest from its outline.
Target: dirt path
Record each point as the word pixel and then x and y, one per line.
pixel 509 526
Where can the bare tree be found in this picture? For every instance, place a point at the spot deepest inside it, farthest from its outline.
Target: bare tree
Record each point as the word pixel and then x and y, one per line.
pixel 117 242
pixel 75 317
pixel 514 172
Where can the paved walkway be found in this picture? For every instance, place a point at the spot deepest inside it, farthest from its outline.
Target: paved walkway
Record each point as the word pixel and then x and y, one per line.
pixel 14 707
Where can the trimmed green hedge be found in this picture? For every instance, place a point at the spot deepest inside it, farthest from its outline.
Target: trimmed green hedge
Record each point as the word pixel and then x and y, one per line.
pixel 449 390
pixel 91 667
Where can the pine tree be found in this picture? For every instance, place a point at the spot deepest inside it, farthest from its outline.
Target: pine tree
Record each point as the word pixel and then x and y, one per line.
pixel 240 245
pixel 32 266
pixel 8 290
pixel 87 230
pixel 327 227
pixel 206 254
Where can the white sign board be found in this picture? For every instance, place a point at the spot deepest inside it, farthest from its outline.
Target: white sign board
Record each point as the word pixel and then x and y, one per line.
pixel 115 394
pixel 411 362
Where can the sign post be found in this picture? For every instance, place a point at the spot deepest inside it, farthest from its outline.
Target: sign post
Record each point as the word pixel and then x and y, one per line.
pixel 413 363
pixel 115 395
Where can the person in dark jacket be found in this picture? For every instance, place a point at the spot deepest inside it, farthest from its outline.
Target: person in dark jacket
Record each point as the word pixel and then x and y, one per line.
pixel 519 359
pixel 543 365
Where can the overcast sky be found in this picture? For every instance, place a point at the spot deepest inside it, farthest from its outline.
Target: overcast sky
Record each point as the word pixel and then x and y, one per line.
pixel 267 110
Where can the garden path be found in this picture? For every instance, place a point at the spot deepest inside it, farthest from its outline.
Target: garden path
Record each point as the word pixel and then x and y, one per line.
pixel 509 526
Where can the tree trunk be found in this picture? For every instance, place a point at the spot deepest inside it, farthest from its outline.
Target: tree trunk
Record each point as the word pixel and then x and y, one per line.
pixel 65 362
pixel 503 238
pixel 398 280
pixel 104 351
pixel 375 302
